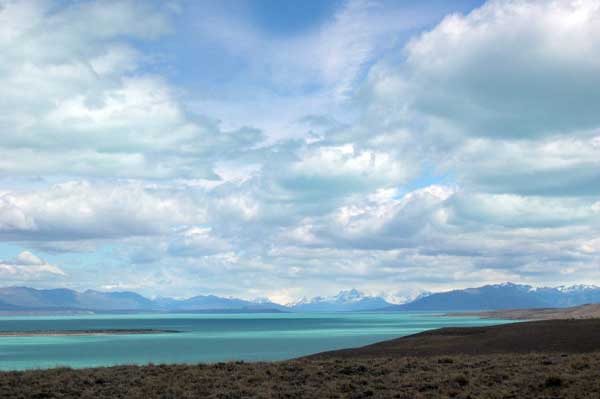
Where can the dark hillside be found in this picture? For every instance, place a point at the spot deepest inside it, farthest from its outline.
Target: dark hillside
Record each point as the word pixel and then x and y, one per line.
pixel 564 336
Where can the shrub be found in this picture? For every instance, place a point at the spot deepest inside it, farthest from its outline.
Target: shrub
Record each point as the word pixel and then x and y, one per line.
pixel 553 382
pixel 461 380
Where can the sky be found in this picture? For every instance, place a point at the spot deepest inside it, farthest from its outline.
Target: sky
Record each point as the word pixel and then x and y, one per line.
pixel 282 149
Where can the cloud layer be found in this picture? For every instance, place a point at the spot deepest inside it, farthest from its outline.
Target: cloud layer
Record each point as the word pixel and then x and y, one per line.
pixel 28 267
pixel 467 154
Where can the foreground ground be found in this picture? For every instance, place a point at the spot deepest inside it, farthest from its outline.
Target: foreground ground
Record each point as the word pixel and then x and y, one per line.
pixel 427 365
pixel 481 376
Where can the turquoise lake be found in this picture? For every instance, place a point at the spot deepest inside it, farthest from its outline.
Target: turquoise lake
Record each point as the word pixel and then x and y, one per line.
pixel 205 337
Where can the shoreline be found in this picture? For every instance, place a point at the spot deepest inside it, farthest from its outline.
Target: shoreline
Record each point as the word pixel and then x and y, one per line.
pixel 66 333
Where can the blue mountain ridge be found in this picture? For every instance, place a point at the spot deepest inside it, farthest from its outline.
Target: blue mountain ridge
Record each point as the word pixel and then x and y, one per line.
pixel 488 297
pixel 504 296
pixel 30 299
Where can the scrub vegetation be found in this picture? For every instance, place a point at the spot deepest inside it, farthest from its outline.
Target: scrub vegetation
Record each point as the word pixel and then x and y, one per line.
pixel 474 376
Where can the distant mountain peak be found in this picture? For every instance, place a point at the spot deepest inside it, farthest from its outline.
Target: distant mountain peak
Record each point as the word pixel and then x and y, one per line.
pixel 577 287
pixel 297 302
pixel 508 284
pixel 352 295
pixel 345 300
pixel 488 297
pixel 506 296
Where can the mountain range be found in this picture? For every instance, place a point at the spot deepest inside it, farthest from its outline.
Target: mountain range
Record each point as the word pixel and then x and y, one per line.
pixel 488 297
pixel 504 296
pixel 14 299
pixel 29 299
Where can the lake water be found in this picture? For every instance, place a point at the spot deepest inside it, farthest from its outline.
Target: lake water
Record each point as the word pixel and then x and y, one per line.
pixel 205 337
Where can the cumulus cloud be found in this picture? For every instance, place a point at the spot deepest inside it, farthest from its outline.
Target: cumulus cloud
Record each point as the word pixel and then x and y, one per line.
pixel 79 210
pixel 197 241
pixel 511 210
pixel 385 219
pixel 29 267
pixel 300 74
pixel 509 68
pixel 560 166
pixel 504 106
pixel 89 107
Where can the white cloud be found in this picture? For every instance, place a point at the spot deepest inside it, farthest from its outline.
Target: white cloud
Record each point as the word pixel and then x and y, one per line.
pixel 28 267
pixel 510 68
pixel 387 219
pixel 345 161
pixel 504 107
pixel 196 242
pixel 80 210
pixel 518 211
pixel 26 258
pixel 559 166
pixel 89 107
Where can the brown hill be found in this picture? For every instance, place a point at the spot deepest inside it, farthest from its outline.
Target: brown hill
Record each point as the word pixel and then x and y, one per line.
pixel 548 336
pixel 589 311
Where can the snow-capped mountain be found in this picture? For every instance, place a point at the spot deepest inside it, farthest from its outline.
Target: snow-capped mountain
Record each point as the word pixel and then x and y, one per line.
pixel 400 298
pixel 577 288
pixel 488 297
pixel 344 301
pixel 29 299
pixel 505 296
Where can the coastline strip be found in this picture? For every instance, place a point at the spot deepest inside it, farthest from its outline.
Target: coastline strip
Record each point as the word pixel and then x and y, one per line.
pixel 64 333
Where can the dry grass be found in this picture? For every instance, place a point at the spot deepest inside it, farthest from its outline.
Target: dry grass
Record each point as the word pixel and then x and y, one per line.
pixel 476 376
pixel 563 336
pixel 589 311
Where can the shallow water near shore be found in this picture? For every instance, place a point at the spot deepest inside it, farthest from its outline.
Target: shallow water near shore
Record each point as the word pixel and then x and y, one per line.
pixel 205 337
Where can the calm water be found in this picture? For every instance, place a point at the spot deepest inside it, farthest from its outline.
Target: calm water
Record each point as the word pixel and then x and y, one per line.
pixel 206 337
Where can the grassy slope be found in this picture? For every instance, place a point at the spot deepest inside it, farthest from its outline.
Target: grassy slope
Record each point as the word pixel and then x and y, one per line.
pixel 578 312
pixel 569 336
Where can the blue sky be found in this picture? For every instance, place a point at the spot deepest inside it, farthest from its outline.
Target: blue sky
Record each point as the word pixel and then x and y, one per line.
pixel 281 149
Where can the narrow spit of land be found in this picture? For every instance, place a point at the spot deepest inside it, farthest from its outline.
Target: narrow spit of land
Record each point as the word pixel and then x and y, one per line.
pixel 61 333
pixel 543 359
